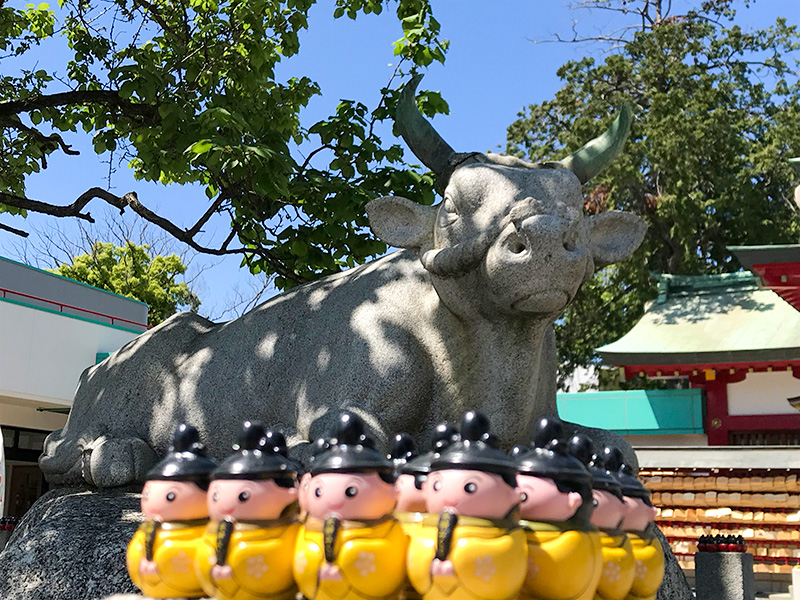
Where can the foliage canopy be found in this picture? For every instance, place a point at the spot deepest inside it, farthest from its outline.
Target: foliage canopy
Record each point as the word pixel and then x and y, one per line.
pixel 186 91
pixel 717 113
pixel 131 271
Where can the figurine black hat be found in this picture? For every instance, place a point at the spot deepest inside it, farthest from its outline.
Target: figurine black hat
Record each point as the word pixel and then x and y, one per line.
pixel 351 450
pixel 477 450
pixel 581 448
pixel 403 450
pixel 444 435
pixel 259 454
pixel 631 486
pixel 550 457
pixel 186 459
pixel 420 466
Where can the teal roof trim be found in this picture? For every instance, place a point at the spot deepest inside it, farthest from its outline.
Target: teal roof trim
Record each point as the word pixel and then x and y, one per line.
pixel 73 281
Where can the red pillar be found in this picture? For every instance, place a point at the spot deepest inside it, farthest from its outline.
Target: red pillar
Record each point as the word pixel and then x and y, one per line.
pixel 716 425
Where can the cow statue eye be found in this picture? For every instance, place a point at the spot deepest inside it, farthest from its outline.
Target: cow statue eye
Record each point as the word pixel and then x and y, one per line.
pixel 351 492
pixel 471 488
pixel 449 205
pixel 244 496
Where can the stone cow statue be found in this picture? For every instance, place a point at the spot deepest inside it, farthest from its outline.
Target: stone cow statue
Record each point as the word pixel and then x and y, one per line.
pixel 460 318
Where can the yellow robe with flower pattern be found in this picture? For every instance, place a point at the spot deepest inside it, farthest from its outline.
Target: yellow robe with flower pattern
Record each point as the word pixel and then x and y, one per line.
pixel 370 556
pixel 648 567
pixel 260 556
pixel 618 566
pixel 564 563
pixel 489 557
pixel 410 522
pixel 174 546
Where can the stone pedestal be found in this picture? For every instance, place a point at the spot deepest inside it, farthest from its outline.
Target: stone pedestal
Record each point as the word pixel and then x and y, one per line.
pixel 724 576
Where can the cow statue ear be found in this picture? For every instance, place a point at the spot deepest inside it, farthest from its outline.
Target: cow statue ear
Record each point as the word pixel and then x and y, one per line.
pixel 614 235
pixel 400 222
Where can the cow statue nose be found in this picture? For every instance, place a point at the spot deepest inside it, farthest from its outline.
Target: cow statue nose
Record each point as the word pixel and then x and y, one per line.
pixel 545 232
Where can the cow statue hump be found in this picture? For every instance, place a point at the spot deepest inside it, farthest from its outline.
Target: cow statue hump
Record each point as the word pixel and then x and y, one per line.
pixel 460 318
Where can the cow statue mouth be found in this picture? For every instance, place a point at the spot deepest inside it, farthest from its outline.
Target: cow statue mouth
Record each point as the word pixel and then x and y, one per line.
pixel 543 302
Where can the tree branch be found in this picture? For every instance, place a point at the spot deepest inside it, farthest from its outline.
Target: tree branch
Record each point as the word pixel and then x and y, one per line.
pixel 53 138
pixel 131 200
pixel 107 97
pixel 10 229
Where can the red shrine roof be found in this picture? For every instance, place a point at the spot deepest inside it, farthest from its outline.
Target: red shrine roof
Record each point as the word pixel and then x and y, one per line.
pixel 778 267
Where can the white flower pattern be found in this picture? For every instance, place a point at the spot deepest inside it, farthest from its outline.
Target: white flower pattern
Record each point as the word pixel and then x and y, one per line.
pixel 365 563
pixel 612 572
pixel 641 570
pixel 484 568
pixel 300 562
pixel 181 563
pixel 256 566
pixel 533 568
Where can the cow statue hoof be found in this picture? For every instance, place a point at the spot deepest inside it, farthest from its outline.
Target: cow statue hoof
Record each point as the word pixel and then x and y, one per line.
pixel 112 462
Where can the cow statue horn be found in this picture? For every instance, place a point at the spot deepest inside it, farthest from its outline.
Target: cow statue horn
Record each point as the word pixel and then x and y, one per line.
pixel 419 134
pixel 593 157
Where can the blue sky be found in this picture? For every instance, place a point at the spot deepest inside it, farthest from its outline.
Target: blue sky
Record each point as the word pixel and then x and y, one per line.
pixel 493 70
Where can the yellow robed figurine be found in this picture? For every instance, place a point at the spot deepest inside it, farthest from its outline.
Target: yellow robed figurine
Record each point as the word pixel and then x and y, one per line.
pixel 161 555
pixel 247 550
pixel 468 547
pixel 617 573
pixel 350 547
pixel 564 555
pixel 638 525
pixel 411 471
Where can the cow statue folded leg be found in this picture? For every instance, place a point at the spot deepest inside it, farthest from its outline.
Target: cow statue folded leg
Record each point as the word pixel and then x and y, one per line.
pixel 461 318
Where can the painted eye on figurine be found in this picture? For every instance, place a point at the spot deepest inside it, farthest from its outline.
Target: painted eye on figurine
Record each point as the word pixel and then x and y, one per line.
pixel 471 488
pixel 171 497
pixel 318 492
pixel 351 492
pixel 437 485
pixel 244 496
pixel 524 497
pixel 215 496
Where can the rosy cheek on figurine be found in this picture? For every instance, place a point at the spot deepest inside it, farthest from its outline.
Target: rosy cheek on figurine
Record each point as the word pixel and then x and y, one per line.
pixel 170 501
pixel 608 511
pixel 638 514
pixel 542 500
pixel 409 498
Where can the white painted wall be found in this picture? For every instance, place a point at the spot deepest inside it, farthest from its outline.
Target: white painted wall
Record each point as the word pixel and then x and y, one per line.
pixel 763 394
pixel 42 355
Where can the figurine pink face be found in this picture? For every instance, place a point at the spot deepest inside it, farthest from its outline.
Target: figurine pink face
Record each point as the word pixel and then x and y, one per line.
pixel 544 502
pixel 409 498
pixel 470 493
pixel 608 511
pixel 351 496
pixel 164 500
pixel 247 500
pixel 638 515
pixel 304 488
